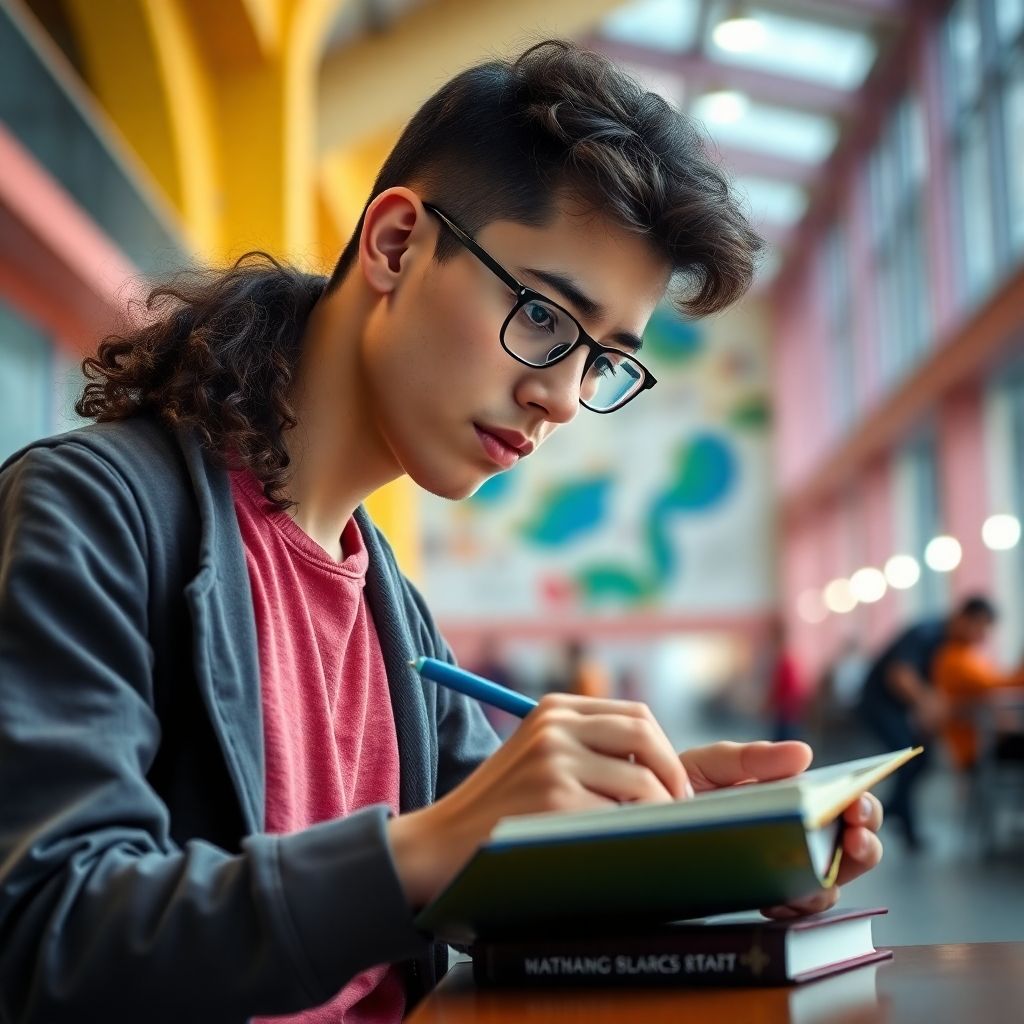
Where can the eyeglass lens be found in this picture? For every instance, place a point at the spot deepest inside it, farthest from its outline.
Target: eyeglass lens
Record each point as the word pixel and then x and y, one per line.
pixel 539 334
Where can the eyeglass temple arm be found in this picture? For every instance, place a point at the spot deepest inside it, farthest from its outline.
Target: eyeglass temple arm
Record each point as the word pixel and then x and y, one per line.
pixel 492 264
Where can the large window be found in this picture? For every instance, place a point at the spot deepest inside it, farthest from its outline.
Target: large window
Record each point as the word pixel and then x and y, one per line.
pixel 918 511
pixel 985 111
pixel 840 328
pixel 897 169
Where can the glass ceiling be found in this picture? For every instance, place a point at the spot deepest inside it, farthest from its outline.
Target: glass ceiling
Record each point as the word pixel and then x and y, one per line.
pixel 724 52
pixel 826 54
pixel 772 202
pixel 660 24
pixel 742 124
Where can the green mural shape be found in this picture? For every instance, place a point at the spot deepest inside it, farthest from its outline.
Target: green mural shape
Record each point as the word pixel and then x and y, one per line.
pixel 668 340
pixel 752 413
pixel 705 473
pixel 603 582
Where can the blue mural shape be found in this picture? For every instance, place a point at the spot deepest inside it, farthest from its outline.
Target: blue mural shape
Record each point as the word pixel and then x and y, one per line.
pixel 569 510
pixel 705 473
pixel 494 490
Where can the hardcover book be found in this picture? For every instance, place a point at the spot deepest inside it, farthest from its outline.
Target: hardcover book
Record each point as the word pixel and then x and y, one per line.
pixel 737 949
pixel 733 849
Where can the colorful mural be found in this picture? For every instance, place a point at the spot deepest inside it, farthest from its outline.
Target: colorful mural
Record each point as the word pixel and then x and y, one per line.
pixel 661 507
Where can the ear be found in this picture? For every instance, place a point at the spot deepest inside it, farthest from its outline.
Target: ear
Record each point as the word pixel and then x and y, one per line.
pixel 395 229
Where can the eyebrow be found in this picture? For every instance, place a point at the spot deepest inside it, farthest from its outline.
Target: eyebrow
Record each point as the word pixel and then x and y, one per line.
pixel 590 308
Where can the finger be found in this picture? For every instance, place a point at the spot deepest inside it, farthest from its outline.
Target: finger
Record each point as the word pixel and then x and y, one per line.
pixel 862 851
pixel 613 778
pixel 728 764
pixel 866 811
pixel 816 903
pixel 636 739
pixel 597 705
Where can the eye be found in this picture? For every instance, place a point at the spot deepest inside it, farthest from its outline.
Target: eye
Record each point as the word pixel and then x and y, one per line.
pixel 540 316
pixel 604 367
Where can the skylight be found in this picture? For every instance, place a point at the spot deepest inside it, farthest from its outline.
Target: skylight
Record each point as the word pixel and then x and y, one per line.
pixel 661 24
pixel 793 134
pixel 826 54
pixel 772 202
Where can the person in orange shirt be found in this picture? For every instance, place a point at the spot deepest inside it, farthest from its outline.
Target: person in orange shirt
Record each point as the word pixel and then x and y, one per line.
pixel 586 676
pixel 963 675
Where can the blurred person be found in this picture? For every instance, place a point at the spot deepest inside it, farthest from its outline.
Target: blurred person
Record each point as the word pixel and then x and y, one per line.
pixel 964 676
pixel 492 665
pixel 786 696
pixel 630 684
pixel 902 706
pixel 837 727
pixel 225 792
pixel 585 675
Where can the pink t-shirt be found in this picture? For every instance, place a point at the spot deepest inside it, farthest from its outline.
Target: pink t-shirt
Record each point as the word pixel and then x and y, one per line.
pixel 329 731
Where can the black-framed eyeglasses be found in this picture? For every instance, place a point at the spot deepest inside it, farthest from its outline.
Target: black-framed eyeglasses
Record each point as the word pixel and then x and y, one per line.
pixel 540 333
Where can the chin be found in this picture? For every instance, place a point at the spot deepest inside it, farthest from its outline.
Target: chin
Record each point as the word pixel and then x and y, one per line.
pixel 449 486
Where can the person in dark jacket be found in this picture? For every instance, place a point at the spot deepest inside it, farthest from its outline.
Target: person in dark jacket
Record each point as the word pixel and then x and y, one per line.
pixel 902 705
pixel 224 792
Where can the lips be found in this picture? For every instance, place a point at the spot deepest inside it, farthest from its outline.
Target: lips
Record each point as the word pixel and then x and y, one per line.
pixel 503 447
pixel 512 438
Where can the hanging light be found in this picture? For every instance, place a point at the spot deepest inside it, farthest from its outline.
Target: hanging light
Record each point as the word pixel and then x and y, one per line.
pixel 810 607
pixel 739 31
pixel 868 585
pixel 722 106
pixel 943 553
pixel 1001 532
pixel 902 572
pixel 839 596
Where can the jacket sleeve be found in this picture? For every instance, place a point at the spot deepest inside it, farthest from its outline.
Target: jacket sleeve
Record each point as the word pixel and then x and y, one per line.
pixel 102 915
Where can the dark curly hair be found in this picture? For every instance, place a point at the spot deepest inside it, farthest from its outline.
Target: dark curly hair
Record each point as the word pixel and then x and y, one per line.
pixel 217 354
pixel 505 140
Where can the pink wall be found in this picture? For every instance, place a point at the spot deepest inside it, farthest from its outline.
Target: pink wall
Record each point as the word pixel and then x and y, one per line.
pixel 850 520
pixel 802 385
pixel 964 486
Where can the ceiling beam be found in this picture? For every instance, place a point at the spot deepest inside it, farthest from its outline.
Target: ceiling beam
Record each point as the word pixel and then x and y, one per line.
pixel 377 81
pixel 700 74
pixel 749 162
pixel 849 10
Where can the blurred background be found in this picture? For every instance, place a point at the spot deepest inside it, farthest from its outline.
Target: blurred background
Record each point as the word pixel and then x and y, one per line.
pixel 838 457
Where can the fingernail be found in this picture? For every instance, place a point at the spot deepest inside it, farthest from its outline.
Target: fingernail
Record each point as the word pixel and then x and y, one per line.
pixel 865 808
pixel 689 790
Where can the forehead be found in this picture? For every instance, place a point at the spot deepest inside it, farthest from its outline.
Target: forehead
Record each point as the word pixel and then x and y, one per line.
pixel 608 263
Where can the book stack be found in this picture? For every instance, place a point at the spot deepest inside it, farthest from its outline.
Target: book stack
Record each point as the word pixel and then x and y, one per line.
pixel 737 949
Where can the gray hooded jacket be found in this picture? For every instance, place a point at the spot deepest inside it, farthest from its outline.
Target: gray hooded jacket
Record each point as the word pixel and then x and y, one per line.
pixel 136 883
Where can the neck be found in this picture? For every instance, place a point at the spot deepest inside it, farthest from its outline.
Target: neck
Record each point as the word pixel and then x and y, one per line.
pixel 338 457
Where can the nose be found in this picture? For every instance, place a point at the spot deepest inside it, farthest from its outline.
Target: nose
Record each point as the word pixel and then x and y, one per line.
pixel 555 389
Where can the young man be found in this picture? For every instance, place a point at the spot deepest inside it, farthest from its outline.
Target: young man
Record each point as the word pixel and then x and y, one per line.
pixel 225 792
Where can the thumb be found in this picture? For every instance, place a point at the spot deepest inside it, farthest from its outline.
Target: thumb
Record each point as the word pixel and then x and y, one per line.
pixel 729 764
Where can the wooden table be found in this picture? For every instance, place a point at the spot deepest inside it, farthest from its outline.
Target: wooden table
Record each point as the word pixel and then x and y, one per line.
pixel 979 983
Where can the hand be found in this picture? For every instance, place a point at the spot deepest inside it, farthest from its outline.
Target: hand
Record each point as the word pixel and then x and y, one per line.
pixel 862 850
pixel 932 711
pixel 571 753
pixel 731 764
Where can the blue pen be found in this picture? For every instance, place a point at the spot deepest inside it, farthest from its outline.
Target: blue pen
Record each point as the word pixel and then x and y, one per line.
pixel 474 686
